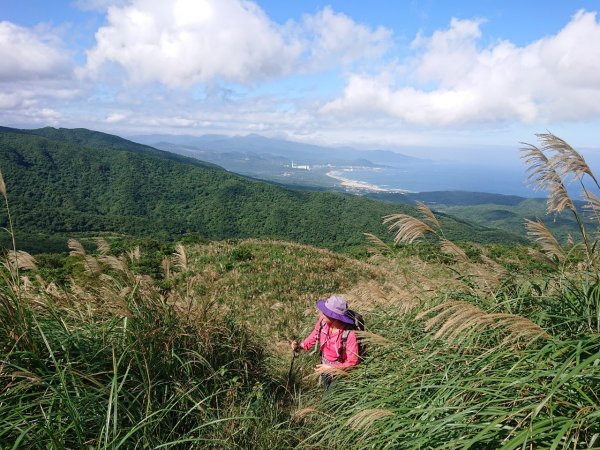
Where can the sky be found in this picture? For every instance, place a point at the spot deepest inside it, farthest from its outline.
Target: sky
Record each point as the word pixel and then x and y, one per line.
pixel 427 76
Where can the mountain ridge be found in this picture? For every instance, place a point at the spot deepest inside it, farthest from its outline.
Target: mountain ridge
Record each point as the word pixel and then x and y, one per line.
pixel 83 181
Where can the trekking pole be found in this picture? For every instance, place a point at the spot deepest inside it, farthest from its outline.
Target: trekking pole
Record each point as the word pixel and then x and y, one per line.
pixel 289 376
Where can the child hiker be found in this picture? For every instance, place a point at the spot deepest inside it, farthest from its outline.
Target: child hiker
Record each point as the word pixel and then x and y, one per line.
pixel 333 337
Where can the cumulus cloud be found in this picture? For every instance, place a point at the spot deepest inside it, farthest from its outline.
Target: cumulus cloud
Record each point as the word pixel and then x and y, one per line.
pixel 36 73
pixel 335 38
pixel 454 82
pixel 184 42
pixel 115 117
pixel 27 55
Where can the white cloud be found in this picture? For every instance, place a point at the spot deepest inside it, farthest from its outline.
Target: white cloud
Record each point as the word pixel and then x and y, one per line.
pixel 36 74
pixel 27 55
pixel 115 117
pixel 184 42
pixel 334 38
pixel 553 79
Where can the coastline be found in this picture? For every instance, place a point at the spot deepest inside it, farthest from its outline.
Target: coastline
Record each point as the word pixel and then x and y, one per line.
pixel 361 186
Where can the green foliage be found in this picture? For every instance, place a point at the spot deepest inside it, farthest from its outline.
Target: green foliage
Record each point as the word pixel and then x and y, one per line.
pixel 480 395
pixel 115 364
pixel 514 367
pixel 512 217
pixel 187 346
pixel 67 182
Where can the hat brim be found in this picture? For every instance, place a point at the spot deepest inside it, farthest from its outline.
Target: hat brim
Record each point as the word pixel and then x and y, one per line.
pixel 333 315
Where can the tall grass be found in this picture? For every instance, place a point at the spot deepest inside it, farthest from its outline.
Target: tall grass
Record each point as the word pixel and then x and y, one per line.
pixel 114 361
pixel 480 394
pixel 198 357
pixel 512 368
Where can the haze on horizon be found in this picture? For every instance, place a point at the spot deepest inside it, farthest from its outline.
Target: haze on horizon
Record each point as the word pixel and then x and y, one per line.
pixel 463 80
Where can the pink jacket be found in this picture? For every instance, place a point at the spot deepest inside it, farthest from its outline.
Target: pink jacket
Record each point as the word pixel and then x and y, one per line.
pixel 331 344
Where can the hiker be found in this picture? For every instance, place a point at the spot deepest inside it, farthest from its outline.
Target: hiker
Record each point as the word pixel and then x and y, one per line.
pixel 333 337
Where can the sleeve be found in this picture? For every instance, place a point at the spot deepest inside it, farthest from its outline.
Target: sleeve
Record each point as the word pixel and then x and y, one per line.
pixel 351 351
pixel 312 337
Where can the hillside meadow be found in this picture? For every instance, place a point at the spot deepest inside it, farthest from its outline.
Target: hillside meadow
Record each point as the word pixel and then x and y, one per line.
pixel 469 345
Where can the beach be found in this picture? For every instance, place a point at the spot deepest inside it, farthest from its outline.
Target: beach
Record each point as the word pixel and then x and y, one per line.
pixel 360 186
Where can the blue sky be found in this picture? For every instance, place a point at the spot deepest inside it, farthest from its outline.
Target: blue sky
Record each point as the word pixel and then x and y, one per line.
pixel 416 76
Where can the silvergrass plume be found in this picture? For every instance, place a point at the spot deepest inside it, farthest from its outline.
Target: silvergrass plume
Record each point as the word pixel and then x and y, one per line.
pixel 451 248
pixel 301 414
pixel 458 320
pixel 365 418
pixel 115 263
pixel 567 160
pixel 180 257
pixel 408 228
pixel 592 205
pixel 76 248
pixel 2 185
pixel 377 245
pixel 103 246
pixel 543 176
pixel 166 267
pixel 372 338
pixel 331 371
pixel 542 236
pixel 428 215
pixel 135 254
pixel 22 260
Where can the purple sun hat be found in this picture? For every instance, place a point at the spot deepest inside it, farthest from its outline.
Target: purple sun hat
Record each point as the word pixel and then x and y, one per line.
pixel 335 308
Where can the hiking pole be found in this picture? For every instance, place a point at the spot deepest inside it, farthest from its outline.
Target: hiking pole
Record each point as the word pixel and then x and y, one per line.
pixel 289 377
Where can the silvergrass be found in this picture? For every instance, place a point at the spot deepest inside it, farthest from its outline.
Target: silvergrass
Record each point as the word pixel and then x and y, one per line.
pixel 408 228
pixel 436 397
pixel 451 248
pixel 365 418
pixel 180 258
pixel 377 245
pixel 428 215
pixel 156 375
pixel 542 236
pixel 549 174
pixel 2 186
pixel 567 160
pixel 543 176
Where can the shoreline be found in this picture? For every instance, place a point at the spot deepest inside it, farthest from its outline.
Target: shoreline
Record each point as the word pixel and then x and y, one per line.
pixel 353 185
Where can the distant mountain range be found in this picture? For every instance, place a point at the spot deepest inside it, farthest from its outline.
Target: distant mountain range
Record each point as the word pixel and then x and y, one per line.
pixel 267 148
pixel 306 165
pixel 62 181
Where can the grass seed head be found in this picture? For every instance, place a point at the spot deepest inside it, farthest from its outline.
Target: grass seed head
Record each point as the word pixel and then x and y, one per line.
pixel 451 248
pixel 180 258
pixel 76 248
pixel 365 418
pixel 567 160
pixel 428 215
pixel 408 228
pixel 2 186
pixel 541 235
pixel 103 246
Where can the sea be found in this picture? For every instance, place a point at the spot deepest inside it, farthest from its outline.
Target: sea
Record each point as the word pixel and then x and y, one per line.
pixel 444 176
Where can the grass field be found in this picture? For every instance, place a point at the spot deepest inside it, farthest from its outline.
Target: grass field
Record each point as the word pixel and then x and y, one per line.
pixel 467 345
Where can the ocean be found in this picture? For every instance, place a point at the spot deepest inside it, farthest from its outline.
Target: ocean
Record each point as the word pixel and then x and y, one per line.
pixel 440 176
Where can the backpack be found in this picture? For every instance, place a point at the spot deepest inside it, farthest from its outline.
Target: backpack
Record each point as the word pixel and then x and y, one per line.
pixel 359 325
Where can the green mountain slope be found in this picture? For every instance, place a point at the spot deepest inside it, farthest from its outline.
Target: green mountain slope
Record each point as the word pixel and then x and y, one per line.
pixel 63 181
pixel 512 217
pixel 505 212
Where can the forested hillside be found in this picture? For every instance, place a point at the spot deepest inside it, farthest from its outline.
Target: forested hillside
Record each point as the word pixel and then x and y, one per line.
pixel 504 212
pixel 62 182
